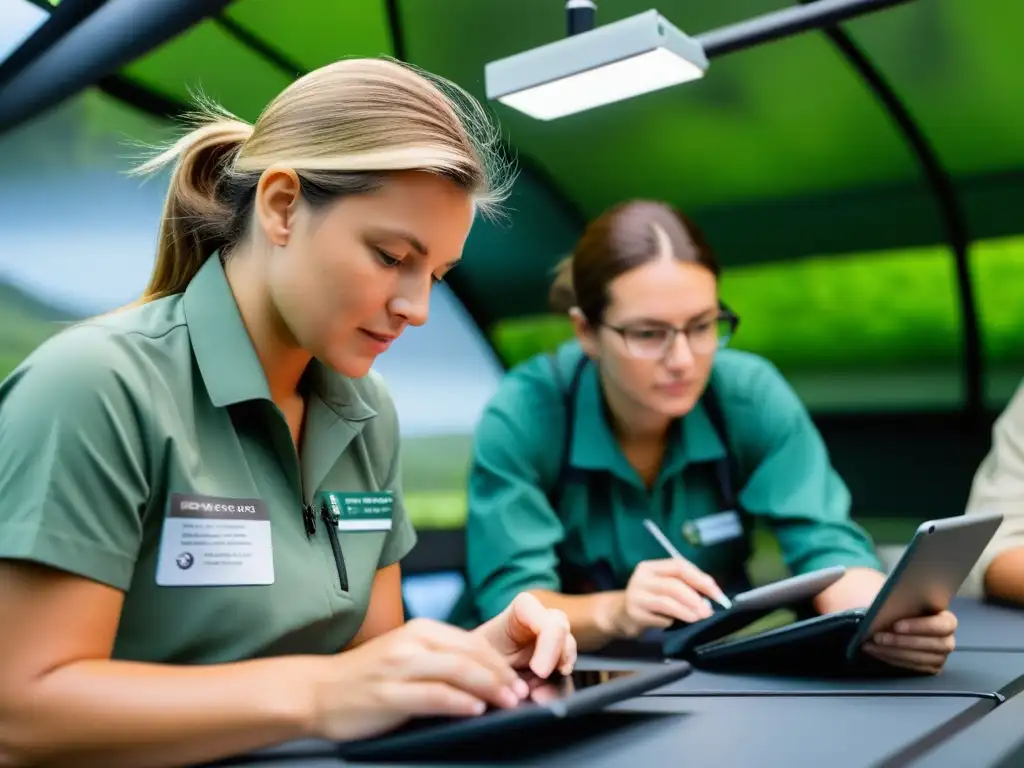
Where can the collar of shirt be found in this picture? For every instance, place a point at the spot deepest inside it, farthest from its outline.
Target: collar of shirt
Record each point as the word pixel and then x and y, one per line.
pixel 227 360
pixel 692 439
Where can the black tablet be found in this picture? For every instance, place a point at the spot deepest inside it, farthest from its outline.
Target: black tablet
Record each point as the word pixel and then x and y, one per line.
pixel 582 692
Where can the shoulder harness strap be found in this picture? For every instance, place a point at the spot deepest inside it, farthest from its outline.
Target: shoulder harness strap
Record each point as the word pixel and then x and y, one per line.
pixel 727 470
pixel 569 416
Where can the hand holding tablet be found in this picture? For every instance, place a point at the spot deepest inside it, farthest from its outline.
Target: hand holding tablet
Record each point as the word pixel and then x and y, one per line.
pixel 908 624
pixel 912 604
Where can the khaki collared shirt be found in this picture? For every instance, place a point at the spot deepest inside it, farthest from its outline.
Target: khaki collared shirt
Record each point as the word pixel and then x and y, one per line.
pixel 142 450
pixel 516 541
pixel 999 487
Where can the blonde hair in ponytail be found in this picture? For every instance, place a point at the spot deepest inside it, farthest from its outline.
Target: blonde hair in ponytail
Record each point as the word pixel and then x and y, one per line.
pixel 342 128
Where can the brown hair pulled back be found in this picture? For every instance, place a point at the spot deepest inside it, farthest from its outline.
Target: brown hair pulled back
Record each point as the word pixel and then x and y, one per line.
pixel 621 239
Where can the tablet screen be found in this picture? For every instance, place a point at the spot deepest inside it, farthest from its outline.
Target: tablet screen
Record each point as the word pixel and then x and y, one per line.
pixel 773 620
pixel 559 686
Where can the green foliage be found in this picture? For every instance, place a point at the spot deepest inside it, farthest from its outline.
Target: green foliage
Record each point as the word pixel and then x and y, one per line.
pixel 435 463
pixel 437 510
pixel 521 338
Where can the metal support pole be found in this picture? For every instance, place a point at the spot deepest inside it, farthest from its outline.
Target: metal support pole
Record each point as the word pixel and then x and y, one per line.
pixel 950 210
pixel 116 33
pixel 580 16
pixel 787 22
pixel 826 15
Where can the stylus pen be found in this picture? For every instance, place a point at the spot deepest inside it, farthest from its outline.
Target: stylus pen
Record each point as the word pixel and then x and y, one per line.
pixel 662 539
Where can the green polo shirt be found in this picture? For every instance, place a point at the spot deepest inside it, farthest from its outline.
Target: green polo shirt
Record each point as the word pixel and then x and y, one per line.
pixel 516 541
pixel 142 450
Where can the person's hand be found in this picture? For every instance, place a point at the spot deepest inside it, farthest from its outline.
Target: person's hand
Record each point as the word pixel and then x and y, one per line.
pixel 660 592
pixel 922 644
pixel 533 639
pixel 423 668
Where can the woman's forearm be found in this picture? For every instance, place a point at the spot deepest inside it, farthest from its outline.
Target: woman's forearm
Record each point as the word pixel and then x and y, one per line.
pixel 112 713
pixel 1004 577
pixel 591 617
pixel 856 589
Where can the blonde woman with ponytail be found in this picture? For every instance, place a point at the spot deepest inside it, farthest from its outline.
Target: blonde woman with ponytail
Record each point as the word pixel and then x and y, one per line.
pixel 201 518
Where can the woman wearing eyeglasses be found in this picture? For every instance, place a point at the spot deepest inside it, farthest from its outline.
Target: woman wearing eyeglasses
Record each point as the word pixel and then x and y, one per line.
pixel 646 416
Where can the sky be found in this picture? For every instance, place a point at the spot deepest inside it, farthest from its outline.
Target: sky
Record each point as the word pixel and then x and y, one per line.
pixel 76 231
pixel 18 20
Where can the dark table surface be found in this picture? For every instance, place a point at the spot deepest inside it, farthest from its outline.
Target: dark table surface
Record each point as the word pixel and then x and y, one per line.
pixel 967 717
pixel 712 732
pixel 988 627
pixel 977 673
pixel 995 741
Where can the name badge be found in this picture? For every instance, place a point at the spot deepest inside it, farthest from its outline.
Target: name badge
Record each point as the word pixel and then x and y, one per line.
pixel 210 541
pixel 362 511
pixel 713 529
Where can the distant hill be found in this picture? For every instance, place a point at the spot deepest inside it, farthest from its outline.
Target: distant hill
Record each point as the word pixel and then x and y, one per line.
pixel 14 299
pixel 25 322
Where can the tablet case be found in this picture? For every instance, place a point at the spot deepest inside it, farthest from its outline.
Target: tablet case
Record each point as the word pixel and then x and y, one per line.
pixel 815 646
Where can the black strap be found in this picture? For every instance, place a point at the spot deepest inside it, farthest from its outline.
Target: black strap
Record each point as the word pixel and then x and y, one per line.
pixel 598 576
pixel 569 417
pixel 726 469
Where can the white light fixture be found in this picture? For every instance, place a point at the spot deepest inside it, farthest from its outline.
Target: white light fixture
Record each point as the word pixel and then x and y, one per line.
pixel 637 55
pixel 18 20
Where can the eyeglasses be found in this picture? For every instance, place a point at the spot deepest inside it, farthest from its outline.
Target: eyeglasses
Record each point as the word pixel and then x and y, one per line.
pixel 654 340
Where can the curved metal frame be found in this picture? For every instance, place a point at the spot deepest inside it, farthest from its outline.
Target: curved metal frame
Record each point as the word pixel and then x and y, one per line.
pixel 950 211
pixel 569 208
pixel 247 38
pixel 63 18
pixel 116 32
pixel 825 15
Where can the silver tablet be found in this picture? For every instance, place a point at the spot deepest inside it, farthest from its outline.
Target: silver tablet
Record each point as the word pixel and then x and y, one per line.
pixel 929 574
pixel 788 591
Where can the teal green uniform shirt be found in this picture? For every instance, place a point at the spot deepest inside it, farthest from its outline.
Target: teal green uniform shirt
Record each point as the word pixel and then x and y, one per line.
pixel 516 541
pixel 142 450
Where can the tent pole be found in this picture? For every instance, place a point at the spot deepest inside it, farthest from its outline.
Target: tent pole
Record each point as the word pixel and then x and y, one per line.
pixel 827 14
pixel 118 32
pixel 950 210
pixel 789 21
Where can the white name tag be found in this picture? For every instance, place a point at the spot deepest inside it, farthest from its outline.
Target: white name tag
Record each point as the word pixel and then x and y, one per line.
pixel 713 529
pixel 209 541
pixel 362 511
